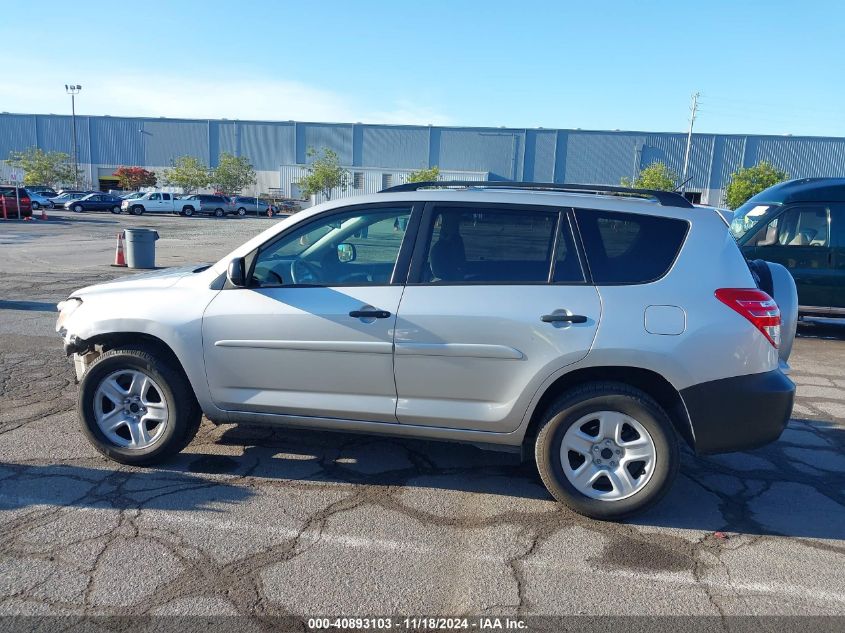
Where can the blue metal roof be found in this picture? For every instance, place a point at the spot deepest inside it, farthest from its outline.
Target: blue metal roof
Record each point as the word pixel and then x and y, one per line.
pixel 551 155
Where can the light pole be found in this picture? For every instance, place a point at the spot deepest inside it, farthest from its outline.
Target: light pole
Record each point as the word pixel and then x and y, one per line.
pixel 73 90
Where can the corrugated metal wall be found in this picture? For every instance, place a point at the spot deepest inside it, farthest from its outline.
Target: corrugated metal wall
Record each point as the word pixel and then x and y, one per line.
pixel 165 141
pixel 578 156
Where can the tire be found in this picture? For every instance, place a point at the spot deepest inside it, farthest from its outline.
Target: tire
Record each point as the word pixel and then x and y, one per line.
pixel 35 206
pixel 115 210
pixel 50 205
pixel 168 385
pixel 241 212
pixel 77 208
pixel 590 408
pixel 188 211
pixel 137 210
pixel 219 213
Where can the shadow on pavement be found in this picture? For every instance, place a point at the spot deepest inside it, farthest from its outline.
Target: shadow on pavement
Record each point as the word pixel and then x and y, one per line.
pixel 30 306
pixel 793 487
pixel 24 485
pixel 830 329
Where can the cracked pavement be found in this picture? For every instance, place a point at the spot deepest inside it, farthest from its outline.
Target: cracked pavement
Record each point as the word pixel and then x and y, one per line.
pixel 295 523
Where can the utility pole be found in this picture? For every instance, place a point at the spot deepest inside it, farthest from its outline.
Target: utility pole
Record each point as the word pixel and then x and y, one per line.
pixel 693 110
pixel 73 90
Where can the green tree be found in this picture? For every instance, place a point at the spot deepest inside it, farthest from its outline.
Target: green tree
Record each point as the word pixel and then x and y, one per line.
pixel 232 174
pixel 749 181
pixel 44 168
pixel 324 174
pixel 656 176
pixel 424 175
pixel 188 173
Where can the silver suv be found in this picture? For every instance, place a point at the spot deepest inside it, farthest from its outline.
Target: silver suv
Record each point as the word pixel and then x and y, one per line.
pixel 592 328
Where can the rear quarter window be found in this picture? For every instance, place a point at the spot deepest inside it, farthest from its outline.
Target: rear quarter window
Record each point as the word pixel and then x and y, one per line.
pixel 626 248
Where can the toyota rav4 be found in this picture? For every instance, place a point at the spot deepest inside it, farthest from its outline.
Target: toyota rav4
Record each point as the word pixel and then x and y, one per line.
pixel 592 328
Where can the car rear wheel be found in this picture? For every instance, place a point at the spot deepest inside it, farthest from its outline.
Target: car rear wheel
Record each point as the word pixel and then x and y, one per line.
pixel 115 209
pixel 607 450
pixel 136 407
pixel 219 213
pixel 137 210
pixel 77 208
pixel 188 211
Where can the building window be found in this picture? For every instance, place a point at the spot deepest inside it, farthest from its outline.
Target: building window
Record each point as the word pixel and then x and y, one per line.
pixel 358 180
pixel 386 181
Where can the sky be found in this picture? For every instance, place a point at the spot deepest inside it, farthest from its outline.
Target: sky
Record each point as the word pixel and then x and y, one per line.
pixel 762 67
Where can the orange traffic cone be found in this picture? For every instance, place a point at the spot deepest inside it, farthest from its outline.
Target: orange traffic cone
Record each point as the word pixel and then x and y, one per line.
pixel 118 253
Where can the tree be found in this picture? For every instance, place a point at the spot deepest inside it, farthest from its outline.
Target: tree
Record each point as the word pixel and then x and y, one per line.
pixel 232 174
pixel 424 175
pixel 324 174
pixel 133 178
pixel 656 176
pixel 188 173
pixel 749 181
pixel 44 168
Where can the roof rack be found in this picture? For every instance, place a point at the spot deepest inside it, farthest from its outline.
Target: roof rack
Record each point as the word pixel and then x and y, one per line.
pixel 664 198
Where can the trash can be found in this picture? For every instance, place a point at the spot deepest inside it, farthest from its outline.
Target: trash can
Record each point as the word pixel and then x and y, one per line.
pixel 140 248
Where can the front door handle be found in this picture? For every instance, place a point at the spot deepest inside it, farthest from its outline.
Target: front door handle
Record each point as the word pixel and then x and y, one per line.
pixel 370 314
pixel 563 318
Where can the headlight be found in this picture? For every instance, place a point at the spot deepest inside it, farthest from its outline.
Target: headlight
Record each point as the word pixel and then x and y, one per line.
pixel 66 308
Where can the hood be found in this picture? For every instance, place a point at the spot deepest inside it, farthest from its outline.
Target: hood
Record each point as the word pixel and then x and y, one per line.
pixel 143 281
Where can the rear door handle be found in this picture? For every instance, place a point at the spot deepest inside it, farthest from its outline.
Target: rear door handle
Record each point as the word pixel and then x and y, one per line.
pixel 370 314
pixel 563 318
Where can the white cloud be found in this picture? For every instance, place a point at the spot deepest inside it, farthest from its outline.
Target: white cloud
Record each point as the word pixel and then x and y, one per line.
pixel 157 95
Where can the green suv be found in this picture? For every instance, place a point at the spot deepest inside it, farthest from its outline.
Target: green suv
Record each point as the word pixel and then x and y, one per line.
pixel 801 225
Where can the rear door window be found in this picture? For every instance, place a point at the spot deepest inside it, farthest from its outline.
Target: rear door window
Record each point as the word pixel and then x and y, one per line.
pixel 478 245
pixel 627 248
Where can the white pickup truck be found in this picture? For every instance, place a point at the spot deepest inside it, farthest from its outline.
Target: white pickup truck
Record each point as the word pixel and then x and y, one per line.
pixel 159 202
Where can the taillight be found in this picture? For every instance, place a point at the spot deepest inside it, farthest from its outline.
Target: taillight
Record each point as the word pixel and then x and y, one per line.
pixel 756 306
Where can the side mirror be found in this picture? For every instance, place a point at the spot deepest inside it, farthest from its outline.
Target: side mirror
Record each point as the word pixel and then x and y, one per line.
pixel 236 273
pixel 346 253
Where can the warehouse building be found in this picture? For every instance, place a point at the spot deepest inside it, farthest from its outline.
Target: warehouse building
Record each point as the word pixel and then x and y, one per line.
pixel 379 155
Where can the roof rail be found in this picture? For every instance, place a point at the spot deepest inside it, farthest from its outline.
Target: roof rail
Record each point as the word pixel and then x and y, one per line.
pixel 665 198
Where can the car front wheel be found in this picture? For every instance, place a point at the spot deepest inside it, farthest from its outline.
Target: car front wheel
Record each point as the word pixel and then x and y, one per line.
pixel 136 408
pixel 35 206
pixel 138 210
pixel 607 450
pixel 77 208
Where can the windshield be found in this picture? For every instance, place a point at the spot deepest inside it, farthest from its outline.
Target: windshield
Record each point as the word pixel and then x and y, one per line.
pixel 749 216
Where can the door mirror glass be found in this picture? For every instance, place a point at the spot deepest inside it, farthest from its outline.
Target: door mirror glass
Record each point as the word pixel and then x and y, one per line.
pixel 346 253
pixel 236 273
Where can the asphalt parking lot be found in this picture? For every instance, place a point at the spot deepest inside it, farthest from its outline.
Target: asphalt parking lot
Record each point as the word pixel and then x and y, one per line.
pixel 293 523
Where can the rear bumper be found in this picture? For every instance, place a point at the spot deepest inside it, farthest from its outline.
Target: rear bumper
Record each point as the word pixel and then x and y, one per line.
pixel 739 413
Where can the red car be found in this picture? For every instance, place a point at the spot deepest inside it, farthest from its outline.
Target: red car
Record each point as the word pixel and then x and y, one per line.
pixel 9 202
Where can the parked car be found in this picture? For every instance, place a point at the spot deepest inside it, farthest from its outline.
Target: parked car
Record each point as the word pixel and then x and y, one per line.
pixel 95 202
pixel 212 204
pixel 68 196
pixel 10 201
pixel 159 202
pixel 39 200
pixel 589 331
pixel 42 190
pixel 800 224
pixel 245 204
